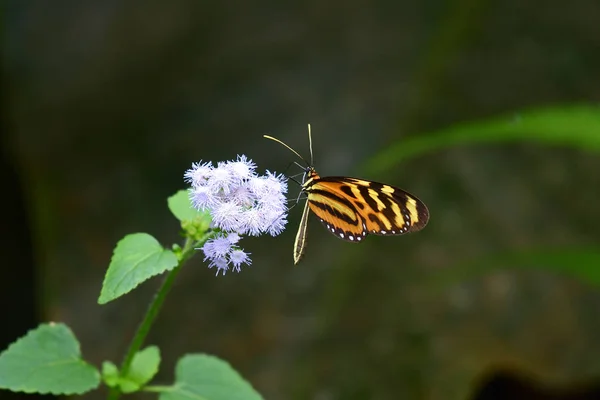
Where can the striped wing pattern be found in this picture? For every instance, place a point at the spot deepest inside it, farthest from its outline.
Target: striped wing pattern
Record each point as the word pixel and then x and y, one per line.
pixel 353 208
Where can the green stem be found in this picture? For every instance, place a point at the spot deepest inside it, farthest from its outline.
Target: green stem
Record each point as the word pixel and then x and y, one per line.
pixel 151 313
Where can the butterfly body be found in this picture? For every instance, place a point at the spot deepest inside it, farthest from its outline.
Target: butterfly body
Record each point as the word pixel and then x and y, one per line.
pixel 352 208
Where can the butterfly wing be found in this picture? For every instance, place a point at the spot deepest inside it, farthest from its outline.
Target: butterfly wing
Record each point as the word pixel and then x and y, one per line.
pixel 336 211
pixel 352 208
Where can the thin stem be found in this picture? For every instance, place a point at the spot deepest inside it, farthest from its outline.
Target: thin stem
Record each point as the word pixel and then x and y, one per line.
pixel 151 313
pixel 158 389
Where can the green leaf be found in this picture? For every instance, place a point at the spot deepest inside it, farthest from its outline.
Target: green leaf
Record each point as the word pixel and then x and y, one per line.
pixel 143 368
pixel 181 206
pixel 578 263
pixel 47 360
pixel 137 258
pixel 577 126
pixel 195 223
pixel 204 377
pixel 110 374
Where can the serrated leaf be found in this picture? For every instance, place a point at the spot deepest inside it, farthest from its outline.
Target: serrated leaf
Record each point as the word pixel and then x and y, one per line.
pixel 200 376
pixel 137 258
pixel 110 374
pixel 576 126
pixel 181 206
pixel 143 368
pixel 47 360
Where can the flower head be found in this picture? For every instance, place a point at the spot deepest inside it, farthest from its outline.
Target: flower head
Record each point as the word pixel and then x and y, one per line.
pixel 198 173
pixel 222 251
pixel 239 257
pixel 242 168
pixel 219 247
pixel 240 202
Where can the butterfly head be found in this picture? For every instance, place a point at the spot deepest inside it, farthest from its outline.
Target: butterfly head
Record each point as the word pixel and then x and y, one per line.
pixel 309 176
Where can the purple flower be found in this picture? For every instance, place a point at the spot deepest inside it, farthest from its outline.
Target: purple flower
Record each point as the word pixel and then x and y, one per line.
pixel 239 257
pixel 240 202
pixel 222 251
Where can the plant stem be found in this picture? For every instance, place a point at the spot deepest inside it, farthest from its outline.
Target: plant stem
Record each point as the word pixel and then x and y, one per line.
pixel 151 313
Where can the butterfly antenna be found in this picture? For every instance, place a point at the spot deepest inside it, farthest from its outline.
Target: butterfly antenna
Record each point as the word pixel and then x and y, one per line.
pixel 310 145
pixel 288 147
pixel 295 201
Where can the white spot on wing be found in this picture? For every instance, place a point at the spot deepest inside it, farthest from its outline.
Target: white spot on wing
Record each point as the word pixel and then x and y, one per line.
pixel 342 235
pixel 351 237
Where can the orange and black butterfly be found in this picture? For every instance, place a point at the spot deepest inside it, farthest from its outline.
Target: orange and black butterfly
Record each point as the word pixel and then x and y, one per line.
pixel 352 208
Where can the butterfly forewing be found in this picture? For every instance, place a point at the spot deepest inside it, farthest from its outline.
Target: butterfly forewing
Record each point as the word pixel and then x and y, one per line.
pixel 352 208
pixel 390 210
pixel 336 211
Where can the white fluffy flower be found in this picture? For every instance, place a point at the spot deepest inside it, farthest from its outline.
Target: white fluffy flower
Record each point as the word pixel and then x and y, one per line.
pixel 221 263
pixel 222 251
pixel 242 168
pixel 239 257
pixel 198 174
pixel 241 202
pixel 218 247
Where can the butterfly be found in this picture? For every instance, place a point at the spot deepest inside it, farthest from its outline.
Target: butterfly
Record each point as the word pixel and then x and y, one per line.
pixel 352 208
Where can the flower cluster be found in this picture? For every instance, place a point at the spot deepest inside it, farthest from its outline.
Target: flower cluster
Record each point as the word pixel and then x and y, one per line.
pixel 240 202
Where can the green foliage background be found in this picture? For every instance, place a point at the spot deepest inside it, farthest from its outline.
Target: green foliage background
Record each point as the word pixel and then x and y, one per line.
pixel 486 111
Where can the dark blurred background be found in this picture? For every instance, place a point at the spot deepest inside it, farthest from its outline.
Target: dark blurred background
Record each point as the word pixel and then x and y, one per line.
pixel 106 104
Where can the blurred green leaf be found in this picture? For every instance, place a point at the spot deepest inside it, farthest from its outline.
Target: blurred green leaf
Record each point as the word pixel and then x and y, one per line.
pixel 577 126
pixel 583 264
pixel 47 360
pixel 143 368
pixel 200 376
pixel 110 374
pixel 195 223
pixel 137 258
pixel 181 207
